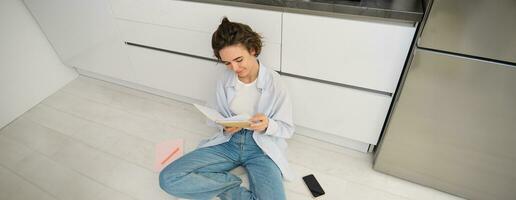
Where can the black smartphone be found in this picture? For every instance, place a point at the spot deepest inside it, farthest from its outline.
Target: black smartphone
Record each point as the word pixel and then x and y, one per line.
pixel 313 185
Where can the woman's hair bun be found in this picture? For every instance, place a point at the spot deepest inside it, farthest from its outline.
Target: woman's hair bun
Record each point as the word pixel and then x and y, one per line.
pixel 231 33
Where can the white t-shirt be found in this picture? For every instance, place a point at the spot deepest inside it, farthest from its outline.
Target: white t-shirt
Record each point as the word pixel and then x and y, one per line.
pixel 246 98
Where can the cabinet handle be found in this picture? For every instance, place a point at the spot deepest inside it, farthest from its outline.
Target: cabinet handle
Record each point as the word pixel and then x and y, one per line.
pixel 335 83
pixel 173 52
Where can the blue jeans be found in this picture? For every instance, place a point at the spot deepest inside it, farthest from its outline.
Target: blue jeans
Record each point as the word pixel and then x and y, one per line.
pixel 204 173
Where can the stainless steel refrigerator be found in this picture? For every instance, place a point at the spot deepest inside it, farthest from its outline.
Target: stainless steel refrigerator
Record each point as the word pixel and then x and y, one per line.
pixel 453 121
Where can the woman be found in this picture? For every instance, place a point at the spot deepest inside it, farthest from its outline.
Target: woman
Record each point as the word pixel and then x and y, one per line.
pixel 247 87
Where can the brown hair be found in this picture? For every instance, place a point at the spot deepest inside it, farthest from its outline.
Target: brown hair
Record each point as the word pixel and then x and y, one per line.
pixel 233 33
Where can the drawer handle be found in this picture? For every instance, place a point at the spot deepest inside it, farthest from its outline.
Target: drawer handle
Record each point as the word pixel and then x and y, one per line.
pixel 336 84
pixel 173 52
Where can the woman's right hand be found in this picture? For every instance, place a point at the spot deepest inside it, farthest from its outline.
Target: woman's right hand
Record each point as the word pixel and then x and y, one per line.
pixel 232 130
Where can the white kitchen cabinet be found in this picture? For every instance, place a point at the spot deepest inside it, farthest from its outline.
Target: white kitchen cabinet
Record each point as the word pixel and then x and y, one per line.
pixel 187 27
pixel 181 75
pixel 173 39
pixel 360 53
pixel 364 57
pixel 196 16
pixel 341 111
pixel 185 41
pixel 83 34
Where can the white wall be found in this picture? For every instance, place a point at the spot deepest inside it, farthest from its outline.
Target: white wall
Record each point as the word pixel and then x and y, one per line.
pixel 30 70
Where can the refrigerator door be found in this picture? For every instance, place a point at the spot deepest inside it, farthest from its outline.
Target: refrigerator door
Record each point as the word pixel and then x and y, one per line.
pixel 454 127
pixel 482 28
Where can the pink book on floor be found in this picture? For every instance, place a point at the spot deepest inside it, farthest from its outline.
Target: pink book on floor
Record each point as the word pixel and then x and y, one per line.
pixel 166 152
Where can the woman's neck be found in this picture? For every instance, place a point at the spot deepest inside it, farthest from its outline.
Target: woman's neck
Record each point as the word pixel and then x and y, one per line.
pixel 253 75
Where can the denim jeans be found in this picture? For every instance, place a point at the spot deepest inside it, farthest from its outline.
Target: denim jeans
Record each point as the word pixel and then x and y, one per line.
pixel 204 173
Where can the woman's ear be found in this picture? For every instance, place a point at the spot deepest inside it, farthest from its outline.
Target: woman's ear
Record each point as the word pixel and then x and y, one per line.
pixel 252 52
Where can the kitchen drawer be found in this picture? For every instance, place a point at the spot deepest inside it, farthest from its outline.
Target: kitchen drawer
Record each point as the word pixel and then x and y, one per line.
pixel 349 113
pixel 185 41
pixel 177 74
pixel 196 16
pixel 360 53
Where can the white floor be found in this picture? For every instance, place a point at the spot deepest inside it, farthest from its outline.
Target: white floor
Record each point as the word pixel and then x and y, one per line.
pixel 95 140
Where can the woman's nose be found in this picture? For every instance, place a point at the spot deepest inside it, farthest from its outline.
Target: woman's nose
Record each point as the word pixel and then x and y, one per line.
pixel 234 66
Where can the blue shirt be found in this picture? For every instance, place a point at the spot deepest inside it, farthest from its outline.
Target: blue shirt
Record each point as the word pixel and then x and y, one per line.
pixel 274 103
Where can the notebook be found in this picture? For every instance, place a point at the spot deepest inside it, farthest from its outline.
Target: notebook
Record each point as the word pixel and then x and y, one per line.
pixel 241 121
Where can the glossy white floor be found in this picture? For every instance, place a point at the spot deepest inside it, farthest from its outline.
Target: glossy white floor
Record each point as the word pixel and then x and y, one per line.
pixel 95 140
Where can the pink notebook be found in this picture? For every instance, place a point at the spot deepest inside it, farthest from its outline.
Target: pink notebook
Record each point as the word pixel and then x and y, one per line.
pixel 166 152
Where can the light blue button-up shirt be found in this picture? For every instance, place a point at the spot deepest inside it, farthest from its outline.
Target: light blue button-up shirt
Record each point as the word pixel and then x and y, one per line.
pixel 274 103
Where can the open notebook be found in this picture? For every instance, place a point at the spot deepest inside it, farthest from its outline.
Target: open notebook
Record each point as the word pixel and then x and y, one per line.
pixel 241 121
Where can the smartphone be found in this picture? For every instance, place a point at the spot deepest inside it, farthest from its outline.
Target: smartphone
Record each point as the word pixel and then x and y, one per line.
pixel 313 185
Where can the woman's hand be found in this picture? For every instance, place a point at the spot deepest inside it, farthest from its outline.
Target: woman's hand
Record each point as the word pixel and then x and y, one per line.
pixel 259 122
pixel 232 130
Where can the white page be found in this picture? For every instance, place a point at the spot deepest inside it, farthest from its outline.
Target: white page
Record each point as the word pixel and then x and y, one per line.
pixel 236 121
pixel 216 116
pixel 210 113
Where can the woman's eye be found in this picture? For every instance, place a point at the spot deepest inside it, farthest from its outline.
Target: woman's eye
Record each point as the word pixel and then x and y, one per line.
pixel 239 60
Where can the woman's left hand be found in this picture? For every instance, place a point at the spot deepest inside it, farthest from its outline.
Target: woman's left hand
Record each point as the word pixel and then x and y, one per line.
pixel 259 122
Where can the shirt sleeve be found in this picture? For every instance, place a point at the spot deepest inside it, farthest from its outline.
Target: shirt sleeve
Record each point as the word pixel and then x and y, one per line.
pixel 280 122
pixel 213 103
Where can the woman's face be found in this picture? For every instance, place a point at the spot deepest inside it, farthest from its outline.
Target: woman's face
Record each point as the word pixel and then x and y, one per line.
pixel 238 59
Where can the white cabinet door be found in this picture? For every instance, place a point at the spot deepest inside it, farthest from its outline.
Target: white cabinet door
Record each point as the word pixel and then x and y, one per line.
pixel 185 41
pixel 197 16
pixel 359 53
pixel 192 24
pixel 177 74
pixel 345 112
pixel 83 34
pixel 173 39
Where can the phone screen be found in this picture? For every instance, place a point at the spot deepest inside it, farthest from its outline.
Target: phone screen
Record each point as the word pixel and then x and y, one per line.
pixel 313 185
